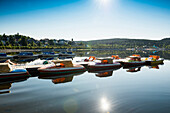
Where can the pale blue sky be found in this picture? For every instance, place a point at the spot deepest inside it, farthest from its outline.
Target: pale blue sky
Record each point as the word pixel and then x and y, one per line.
pixel 86 19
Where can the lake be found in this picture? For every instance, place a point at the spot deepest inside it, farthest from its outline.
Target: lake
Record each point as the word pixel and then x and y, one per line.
pixel 143 89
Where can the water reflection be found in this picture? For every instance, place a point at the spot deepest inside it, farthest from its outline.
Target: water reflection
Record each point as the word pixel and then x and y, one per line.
pixel 57 79
pixel 105 104
pixel 66 57
pixel 134 69
pixel 62 80
pixel 154 66
pixel 6 84
pixel 146 93
pixel 4 87
pixel 104 72
pixel 23 60
pixel 47 58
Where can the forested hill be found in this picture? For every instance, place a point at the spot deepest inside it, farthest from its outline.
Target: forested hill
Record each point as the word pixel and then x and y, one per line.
pixel 19 41
pixel 128 43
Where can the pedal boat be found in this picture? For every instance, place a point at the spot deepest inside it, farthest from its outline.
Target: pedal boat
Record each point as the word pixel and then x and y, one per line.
pixel 117 59
pixel 6 72
pixel 132 61
pixel 49 54
pixel 86 61
pixel 105 63
pixel 153 60
pixel 4 56
pixel 61 67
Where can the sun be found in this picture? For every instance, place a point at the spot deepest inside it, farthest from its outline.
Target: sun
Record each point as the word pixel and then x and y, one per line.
pixel 104 1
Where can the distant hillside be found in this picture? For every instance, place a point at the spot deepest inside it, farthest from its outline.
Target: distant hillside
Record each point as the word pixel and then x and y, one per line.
pixel 18 41
pixel 128 43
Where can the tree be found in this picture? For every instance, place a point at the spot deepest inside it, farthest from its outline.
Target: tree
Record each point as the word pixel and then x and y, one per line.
pixel 4 37
pixel 51 42
pixel 11 40
pixel 39 44
pixel 1 44
pixel 23 41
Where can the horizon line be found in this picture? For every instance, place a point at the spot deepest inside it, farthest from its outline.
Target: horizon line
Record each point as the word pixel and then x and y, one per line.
pixel 104 38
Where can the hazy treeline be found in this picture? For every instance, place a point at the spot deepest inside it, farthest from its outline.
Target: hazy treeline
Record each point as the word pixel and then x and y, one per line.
pixel 129 43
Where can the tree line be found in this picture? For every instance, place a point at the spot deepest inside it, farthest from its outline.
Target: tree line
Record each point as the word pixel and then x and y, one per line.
pixel 18 41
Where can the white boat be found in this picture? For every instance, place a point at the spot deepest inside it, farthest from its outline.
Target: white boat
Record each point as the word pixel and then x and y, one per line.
pixel 105 63
pixel 61 67
pixel 131 61
pixel 7 72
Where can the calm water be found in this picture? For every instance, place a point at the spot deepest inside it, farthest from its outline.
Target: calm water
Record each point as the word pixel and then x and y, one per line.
pixel 147 90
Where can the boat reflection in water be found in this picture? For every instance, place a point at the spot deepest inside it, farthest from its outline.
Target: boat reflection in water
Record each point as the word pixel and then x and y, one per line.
pixel 62 79
pixel 4 88
pixel 134 69
pixel 156 66
pixel 104 72
pixel 6 84
pixel 66 57
pixel 57 79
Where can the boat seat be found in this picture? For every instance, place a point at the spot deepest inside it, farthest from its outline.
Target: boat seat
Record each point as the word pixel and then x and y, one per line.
pixel 5 68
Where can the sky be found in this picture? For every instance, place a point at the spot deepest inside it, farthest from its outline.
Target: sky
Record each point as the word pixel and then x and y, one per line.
pixel 86 19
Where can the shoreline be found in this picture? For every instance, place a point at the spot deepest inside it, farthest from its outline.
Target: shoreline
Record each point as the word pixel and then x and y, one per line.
pixel 41 50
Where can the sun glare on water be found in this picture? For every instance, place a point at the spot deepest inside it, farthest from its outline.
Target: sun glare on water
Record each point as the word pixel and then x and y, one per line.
pixel 105 105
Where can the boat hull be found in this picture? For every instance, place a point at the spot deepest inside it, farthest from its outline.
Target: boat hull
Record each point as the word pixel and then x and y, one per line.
pixel 13 75
pixel 154 62
pixel 61 76
pixel 103 67
pixel 61 71
pixel 132 64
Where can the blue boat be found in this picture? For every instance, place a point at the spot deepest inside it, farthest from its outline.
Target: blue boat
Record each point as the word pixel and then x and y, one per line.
pixel 66 54
pixel 4 56
pixel 7 72
pixel 25 55
pixel 49 54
